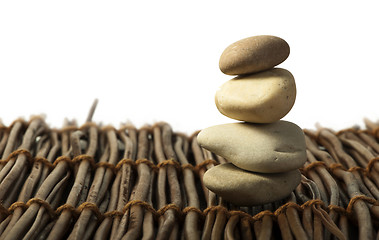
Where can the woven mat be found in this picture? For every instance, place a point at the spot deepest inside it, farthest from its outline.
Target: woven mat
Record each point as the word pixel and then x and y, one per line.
pixel 93 182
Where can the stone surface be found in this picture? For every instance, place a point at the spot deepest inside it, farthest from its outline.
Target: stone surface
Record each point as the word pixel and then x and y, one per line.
pixel 253 54
pixel 246 188
pixel 260 98
pixel 266 148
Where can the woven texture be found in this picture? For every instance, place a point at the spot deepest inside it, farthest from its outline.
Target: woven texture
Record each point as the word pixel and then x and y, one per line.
pixel 94 182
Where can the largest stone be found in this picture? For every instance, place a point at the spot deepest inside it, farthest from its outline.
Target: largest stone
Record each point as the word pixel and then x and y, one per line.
pixel 266 148
pixel 245 188
pixel 253 54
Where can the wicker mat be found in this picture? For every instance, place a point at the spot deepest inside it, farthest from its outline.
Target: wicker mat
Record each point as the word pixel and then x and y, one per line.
pixel 94 182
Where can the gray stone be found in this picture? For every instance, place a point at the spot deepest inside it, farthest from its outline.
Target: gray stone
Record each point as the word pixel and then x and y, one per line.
pixel 246 188
pixel 266 148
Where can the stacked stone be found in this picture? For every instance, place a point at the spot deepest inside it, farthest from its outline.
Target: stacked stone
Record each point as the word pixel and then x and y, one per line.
pixel 264 152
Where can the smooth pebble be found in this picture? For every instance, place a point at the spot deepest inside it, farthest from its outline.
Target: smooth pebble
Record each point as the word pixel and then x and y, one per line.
pixel 266 148
pixel 259 98
pixel 253 54
pixel 246 188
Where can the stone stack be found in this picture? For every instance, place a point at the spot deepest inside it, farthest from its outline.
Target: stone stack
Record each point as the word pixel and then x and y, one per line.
pixel 264 152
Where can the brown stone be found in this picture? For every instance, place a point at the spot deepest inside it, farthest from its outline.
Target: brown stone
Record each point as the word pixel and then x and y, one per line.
pixel 253 54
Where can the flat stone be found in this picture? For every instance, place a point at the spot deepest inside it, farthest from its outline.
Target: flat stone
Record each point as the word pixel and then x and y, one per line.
pixel 253 54
pixel 263 97
pixel 244 188
pixel 265 148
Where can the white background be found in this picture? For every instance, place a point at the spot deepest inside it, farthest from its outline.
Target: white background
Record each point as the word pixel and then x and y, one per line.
pixel 149 61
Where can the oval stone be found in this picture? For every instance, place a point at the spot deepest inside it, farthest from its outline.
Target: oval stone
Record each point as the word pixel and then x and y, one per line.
pixel 265 148
pixel 263 97
pixel 244 188
pixel 253 54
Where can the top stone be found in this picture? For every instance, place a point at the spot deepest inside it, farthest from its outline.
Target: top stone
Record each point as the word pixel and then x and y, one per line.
pixel 253 54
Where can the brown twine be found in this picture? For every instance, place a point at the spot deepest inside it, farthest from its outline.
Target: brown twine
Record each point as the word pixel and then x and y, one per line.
pixel 179 167
pixel 313 202
pixel 113 214
pixel 93 207
pixel 84 157
pixel 217 208
pixel 313 165
pixel 44 162
pixel 260 215
pixel 64 159
pixel 147 162
pixel 335 166
pixel 170 162
pixel 112 167
pixel 68 207
pixel 205 163
pixel 186 210
pixel 150 164
pixel 364 198
pixel 42 203
pixel 241 214
pixel 15 154
pixel 183 212
pixel 76 211
pixel 126 161
pixel 54 214
pixel 358 169
pixel 26 205
pixel 338 209
pixel 17 205
pixel 32 160
pixel 332 167
pixel 140 203
pixel 196 169
pixel 156 213
pixel 282 209
pixel 106 165
pixel 170 206
pixel 371 164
